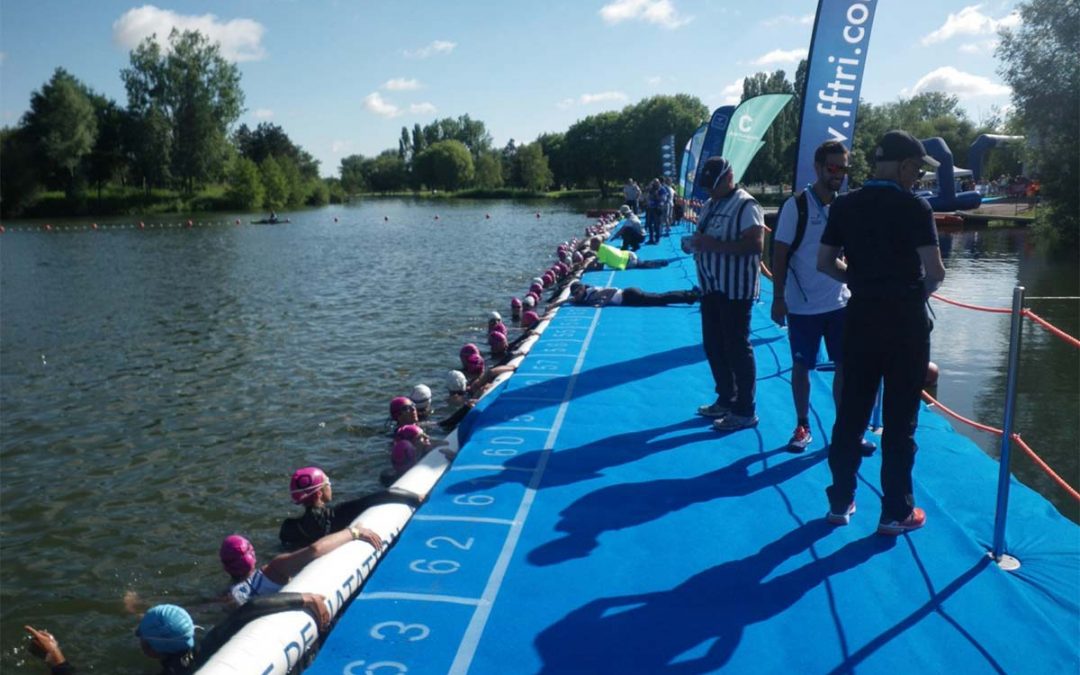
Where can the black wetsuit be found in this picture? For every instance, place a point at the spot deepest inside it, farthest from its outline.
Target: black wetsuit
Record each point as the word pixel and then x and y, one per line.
pixel 318 522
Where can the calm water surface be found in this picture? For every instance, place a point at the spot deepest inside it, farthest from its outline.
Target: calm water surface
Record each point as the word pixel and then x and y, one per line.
pixel 158 387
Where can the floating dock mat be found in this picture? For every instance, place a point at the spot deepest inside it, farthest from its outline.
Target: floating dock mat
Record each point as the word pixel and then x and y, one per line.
pixel 593 523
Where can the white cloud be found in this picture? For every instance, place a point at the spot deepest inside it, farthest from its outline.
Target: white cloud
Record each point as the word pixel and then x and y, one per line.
pixel 978 48
pixel 3 57
pixel 732 94
pixel 805 20
pixel 591 99
pixel 263 113
pixel 659 12
pixel 401 84
pixel 602 97
pixel 422 109
pixel 781 56
pixel 970 21
pixel 436 47
pixel 952 81
pixel 374 103
pixel 654 81
pixel 339 147
pixel 240 39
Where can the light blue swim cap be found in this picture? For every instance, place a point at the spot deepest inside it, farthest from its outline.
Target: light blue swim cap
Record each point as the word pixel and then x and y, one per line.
pixel 167 629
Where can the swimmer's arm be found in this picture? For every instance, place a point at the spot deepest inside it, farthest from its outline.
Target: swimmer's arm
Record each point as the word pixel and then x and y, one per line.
pixel 828 262
pixel 287 565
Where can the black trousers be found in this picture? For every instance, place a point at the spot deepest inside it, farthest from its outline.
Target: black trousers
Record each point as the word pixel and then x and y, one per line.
pixel 631 240
pixel 725 333
pixel 635 297
pixel 883 340
pixel 652 222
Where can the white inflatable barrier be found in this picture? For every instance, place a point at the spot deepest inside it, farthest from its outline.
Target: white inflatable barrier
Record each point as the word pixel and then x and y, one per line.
pixel 275 644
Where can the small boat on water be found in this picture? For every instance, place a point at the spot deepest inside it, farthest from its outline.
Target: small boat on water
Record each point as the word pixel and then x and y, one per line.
pixel 268 221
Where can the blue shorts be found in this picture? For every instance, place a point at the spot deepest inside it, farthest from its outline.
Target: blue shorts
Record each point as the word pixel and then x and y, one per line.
pixel 806 330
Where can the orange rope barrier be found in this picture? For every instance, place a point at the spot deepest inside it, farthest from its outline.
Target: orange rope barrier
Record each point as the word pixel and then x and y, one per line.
pixel 1015 437
pixel 1052 328
pixel 1027 312
pixel 994 310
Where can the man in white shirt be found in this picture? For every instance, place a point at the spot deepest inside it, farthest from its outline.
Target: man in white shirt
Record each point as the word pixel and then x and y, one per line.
pixel 811 303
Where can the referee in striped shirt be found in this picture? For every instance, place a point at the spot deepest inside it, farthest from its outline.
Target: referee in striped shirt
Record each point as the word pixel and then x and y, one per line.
pixel 727 251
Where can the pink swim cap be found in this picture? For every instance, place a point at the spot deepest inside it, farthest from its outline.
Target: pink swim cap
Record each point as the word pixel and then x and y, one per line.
pixel 403 455
pixel 530 319
pixel 467 349
pixel 237 556
pixel 515 303
pixel 496 338
pixel 536 288
pixel 399 404
pixel 474 365
pixel 306 484
pixel 577 257
pixel 408 432
pixel 497 328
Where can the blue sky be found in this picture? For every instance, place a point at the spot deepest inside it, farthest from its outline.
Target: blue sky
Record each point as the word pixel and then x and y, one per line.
pixel 343 76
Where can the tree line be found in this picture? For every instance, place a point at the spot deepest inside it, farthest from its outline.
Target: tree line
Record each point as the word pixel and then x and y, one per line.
pixel 175 133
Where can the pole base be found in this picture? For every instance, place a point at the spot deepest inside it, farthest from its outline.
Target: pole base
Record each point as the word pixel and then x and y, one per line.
pixel 1006 562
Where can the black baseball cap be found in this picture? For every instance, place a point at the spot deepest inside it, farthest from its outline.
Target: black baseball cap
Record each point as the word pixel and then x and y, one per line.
pixel 898 145
pixel 713 170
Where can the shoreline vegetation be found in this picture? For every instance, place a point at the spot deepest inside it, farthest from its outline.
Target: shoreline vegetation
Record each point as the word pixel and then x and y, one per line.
pixel 175 146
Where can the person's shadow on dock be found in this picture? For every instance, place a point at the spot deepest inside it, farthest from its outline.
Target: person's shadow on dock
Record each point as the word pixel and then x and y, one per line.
pixel 665 631
pixel 587 461
pixel 624 505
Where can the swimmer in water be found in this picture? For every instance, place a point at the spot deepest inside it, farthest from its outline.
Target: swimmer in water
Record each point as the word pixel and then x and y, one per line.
pixel 249 580
pixel 402 411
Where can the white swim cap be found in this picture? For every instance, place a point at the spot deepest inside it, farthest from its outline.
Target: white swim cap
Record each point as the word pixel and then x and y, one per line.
pixel 421 396
pixel 456 382
pixel 494 316
pixel 528 302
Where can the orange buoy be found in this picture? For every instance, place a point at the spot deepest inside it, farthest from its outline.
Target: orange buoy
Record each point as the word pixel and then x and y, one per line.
pixel 94 226
pixel 48 227
pixel 237 221
pixel 189 223
pixel 932 373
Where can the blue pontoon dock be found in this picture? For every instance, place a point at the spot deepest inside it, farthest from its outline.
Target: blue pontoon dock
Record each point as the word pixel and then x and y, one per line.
pixel 593 523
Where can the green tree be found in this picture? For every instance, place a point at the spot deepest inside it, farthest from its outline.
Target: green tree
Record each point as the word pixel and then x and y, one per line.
pixel 106 160
pixel 446 165
pixel 593 150
pixel 61 120
pixel 19 180
pixel 554 147
pixel 270 140
pixel 275 184
pixel 387 173
pixel 148 141
pixel 196 90
pixel 533 168
pixel 318 192
pixel 297 184
pixel 644 123
pixel 353 178
pixel 489 170
pixel 246 189
pixel 1041 62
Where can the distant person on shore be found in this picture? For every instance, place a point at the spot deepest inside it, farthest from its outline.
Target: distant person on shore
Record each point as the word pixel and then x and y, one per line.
pixel 654 200
pixel 632 193
pixel 602 296
pixel 632 232
pixel 669 202
pixel 310 487
pixel 248 580
pixel 813 303
pixel 727 251
pixel 889 239
pixel 167 632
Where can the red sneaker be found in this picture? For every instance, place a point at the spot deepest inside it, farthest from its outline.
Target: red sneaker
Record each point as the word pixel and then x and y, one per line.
pixel 913 522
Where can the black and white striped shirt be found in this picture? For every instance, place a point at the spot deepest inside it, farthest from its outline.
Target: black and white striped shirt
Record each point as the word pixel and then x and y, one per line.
pixel 726 220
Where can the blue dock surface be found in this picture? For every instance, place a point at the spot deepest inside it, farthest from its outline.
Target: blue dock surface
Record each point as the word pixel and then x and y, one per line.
pixel 593 523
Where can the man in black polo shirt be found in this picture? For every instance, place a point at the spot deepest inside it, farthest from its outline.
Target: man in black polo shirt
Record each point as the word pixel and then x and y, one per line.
pixel 893 263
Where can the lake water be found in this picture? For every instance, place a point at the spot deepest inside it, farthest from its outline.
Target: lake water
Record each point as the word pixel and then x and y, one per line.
pixel 158 387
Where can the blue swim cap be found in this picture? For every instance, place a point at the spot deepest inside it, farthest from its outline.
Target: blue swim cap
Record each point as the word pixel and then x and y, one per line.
pixel 167 629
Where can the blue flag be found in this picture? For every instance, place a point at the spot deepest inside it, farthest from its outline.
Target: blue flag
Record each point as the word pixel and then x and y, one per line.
pixel 690 160
pixel 712 145
pixel 833 79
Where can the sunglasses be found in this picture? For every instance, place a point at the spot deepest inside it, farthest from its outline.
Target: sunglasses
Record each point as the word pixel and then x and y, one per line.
pixel 836 170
